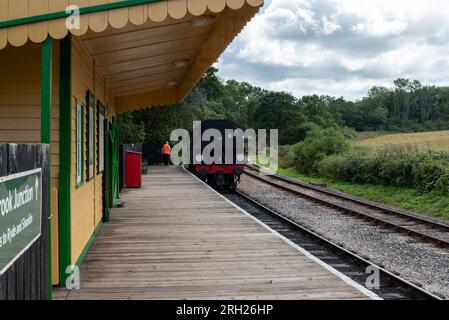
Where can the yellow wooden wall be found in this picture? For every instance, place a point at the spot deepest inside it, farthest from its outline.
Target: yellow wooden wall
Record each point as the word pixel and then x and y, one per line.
pixel 87 199
pixel 20 112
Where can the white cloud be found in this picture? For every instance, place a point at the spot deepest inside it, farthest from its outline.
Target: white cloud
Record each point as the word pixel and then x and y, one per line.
pixel 381 28
pixel 329 26
pixel 341 47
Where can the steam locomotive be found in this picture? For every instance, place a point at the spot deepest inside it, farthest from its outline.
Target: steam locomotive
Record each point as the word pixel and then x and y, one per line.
pixel 221 173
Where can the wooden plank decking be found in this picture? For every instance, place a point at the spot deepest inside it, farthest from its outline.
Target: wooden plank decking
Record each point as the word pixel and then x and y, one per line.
pixel 178 239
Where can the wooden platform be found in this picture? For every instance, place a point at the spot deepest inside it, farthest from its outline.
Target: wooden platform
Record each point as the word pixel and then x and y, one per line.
pixel 178 239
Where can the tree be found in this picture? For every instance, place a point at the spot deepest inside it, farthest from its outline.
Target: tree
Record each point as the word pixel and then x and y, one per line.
pixel 317 111
pixel 340 109
pixel 319 144
pixel 374 116
pixel 211 84
pixel 405 98
pixel 409 106
pixel 240 101
pixel 280 110
pixel 131 130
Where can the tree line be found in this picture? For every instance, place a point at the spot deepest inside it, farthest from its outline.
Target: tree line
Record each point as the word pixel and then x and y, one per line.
pixel 409 106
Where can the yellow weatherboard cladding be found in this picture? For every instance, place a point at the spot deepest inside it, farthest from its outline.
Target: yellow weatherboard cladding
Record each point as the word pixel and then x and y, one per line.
pixel 87 202
pixel 146 53
pixel 117 27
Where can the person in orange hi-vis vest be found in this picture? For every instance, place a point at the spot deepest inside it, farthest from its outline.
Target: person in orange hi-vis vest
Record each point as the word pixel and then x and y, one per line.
pixel 166 152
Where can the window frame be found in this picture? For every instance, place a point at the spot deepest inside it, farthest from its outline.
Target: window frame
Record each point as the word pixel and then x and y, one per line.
pixel 79 143
pixel 90 139
pixel 100 137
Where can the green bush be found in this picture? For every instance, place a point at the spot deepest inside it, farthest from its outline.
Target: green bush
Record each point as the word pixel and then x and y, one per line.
pixel 442 184
pixel 326 153
pixel 429 175
pixel 333 167
pixel 357 166
pixel 286 157
pixel 396 169
pixel 349 132
pixel 319 144
pixel 424 171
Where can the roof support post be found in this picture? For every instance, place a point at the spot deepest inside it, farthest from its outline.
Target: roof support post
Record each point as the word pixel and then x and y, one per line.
pixel 46 96
pixel 65 161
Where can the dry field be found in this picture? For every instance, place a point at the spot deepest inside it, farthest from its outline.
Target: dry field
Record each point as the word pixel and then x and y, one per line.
pixel 437 140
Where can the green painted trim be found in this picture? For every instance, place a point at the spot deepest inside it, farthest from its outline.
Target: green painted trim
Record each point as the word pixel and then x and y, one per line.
pixel 115 173
pixel 46 96
pixel 83 143
pixel 65 14
pixel 107 176
pixel 46 92
pixel 90 105
pixel 86 248
pixel 65 162
pixel 100 112
pixel 79 184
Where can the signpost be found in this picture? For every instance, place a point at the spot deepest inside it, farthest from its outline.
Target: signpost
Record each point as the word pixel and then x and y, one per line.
pixel 20 215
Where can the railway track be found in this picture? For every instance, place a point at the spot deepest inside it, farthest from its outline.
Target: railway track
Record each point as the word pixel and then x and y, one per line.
pixel 419 227
pixel 390 286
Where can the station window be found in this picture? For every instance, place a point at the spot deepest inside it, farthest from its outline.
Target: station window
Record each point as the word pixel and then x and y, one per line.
pixel 90 135
pixel 100 137
pixel 79 143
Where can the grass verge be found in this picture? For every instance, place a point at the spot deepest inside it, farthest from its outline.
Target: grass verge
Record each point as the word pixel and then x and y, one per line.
pixel 408 199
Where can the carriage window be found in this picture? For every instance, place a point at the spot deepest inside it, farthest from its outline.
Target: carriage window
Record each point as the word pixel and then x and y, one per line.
pixel 79 143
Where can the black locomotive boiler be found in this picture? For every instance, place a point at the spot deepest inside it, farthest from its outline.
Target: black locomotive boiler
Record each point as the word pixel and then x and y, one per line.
pixel 220 172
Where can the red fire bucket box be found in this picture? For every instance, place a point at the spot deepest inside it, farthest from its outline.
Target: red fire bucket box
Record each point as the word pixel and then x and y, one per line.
pixel 133 169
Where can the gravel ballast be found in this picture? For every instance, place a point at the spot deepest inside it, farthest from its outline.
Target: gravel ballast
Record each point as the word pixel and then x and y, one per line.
pixel 415 261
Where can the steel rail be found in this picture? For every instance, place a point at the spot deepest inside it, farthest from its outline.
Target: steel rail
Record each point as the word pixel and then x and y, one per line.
pixel 373 205
pixel 352 211
pixel 384 272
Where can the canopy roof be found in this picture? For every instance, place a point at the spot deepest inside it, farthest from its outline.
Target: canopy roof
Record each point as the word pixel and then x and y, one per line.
pixel 152 52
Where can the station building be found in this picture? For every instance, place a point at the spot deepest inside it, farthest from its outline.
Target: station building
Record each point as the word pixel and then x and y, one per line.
pixel 64 86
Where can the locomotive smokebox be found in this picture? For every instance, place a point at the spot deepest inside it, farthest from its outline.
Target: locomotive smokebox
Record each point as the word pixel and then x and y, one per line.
pixel 203 172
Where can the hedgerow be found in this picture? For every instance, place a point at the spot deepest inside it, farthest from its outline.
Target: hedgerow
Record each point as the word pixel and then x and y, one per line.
pixel 326 153
pixel 424 171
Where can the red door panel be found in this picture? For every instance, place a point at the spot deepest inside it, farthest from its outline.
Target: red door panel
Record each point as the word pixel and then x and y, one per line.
pixel 133 170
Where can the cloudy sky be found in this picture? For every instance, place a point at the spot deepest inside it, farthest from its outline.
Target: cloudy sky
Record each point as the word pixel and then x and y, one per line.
pixel 341 47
